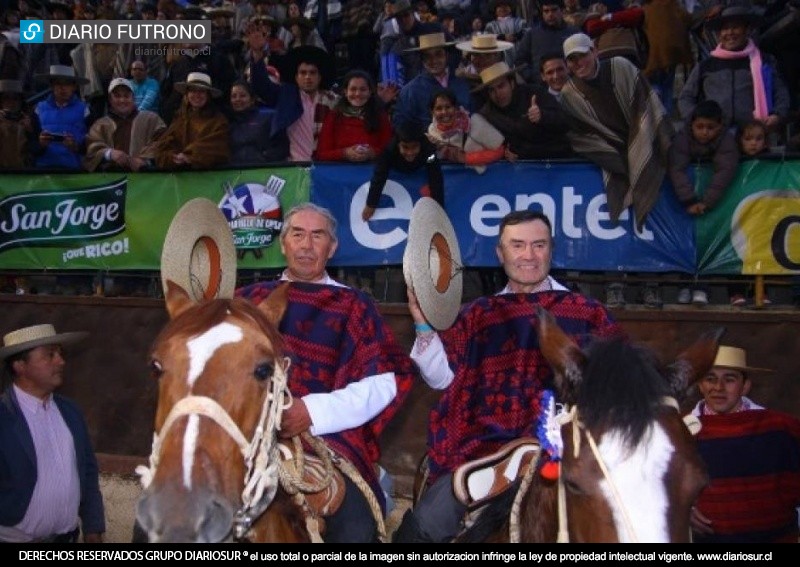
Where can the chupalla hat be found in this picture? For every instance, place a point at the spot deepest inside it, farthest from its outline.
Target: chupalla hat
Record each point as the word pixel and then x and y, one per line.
pixel 62 72
pixel 31 337
pixel 432 263
pixel 432 41
pixel 496 71
pixel 735 359
pixel 484 43
pixel 197 81
pixel 199 254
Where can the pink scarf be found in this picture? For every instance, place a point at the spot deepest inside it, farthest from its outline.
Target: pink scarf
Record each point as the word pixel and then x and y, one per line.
pixel 760 110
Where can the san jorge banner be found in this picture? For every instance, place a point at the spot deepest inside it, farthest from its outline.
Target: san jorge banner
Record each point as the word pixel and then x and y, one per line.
pixel 755 229
pixel 118 221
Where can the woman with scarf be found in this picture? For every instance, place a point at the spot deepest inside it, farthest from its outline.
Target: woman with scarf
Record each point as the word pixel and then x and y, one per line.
pixel 357 129
pixel 743 79
pixel 462 138
pixel 198 136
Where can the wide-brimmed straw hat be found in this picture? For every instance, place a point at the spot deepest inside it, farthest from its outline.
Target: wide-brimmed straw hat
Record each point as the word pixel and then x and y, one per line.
pixel 62 72
pixel 432 263
pixel 736 359
pixel 197 80
pixel 31 337
pixel 743 13
pixel 484 43
pixel 432 41
pixel 199 254
pixel 496 71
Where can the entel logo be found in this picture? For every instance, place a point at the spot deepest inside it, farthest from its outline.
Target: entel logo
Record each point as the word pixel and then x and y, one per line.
pixel 31 31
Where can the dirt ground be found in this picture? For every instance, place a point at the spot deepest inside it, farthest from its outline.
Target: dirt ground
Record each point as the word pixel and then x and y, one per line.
pixel 121 492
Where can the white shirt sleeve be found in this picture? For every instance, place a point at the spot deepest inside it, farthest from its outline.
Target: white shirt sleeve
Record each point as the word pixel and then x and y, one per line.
pixel 351 406
pixel 432 363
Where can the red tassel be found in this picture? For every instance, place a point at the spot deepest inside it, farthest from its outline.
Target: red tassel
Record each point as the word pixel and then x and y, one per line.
pixel 550 470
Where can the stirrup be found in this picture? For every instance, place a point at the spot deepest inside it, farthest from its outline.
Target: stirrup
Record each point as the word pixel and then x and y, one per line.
pixel 478 481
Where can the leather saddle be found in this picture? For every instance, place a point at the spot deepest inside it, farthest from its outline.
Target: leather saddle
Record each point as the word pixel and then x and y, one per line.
pixel 478 481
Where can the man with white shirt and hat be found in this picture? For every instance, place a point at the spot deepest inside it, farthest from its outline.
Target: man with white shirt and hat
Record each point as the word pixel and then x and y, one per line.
pixel 49 480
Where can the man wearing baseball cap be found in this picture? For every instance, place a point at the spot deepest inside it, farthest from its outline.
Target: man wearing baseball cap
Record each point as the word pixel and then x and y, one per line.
pixel 753 459
pixel 49 481
pixel 116 141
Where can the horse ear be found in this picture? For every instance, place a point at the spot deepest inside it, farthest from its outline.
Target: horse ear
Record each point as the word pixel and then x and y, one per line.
pixel 177 299
pixel 694 362
pixel 274 306
pixel 561 353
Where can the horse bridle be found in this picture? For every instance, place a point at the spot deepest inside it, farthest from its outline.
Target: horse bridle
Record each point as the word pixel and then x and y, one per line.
pixel 570 415
pixel 260 454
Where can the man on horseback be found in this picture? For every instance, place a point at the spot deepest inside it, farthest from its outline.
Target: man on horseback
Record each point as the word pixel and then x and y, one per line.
pixel 348 375
pixel 491 369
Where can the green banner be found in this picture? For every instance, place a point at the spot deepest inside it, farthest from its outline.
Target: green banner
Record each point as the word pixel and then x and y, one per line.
pixel 755 228
pixel 118 221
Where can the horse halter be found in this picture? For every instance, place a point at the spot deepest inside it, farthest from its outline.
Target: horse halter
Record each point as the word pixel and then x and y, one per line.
pixel 260 453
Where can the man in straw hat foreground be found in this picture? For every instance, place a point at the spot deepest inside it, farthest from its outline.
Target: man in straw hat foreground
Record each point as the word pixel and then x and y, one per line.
pixel 348 375
pixel 753 459
pixel 488 361
pixel 49 478
pixel 414 101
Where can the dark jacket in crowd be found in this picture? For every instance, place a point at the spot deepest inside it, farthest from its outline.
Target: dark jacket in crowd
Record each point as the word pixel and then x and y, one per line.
pixel 250 140
pixel 390 159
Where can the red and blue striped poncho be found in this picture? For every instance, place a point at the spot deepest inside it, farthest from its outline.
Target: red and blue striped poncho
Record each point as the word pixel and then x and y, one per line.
pixel 336 336
pixel 500 372
pixel 753 460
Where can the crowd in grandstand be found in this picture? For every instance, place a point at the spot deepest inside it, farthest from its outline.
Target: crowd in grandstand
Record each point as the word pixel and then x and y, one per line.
pixel 336 80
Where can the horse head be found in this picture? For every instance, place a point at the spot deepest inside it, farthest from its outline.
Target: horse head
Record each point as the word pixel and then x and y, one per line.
pixel 221 389
pixel 630 470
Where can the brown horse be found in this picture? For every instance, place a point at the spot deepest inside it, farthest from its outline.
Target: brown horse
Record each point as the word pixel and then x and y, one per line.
pixel 629 469
pixel 216 472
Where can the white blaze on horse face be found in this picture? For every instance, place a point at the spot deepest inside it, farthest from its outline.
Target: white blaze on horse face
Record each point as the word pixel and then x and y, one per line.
pixel 638 477
pixel 203 347
pixel 201 350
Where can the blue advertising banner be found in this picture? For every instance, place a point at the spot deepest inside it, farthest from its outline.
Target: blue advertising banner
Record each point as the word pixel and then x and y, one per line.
pixel 571 194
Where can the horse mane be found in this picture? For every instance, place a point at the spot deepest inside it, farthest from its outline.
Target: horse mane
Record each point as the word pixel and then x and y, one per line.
pixel 206 314
pixel 622 388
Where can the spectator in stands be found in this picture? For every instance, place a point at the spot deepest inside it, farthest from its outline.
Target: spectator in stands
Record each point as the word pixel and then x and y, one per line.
pixel 462 138
pixel 198 136
pixel 574 13
pixel 62 116
pixel 251 140
pixel 302 100
pixel 260 68
pixel 357 129
pixel 753 459
pixel 116 142
pixel 506 25
pixel 738 75
pixel 480 51
pixel 704 138
pixel 614 114
pixel 553 73
pixel 619 123
pixel 302 32
pixel 534 127
pixel 547 37
pixel 413 102
pixel 404 43
pixel 752 139
pixel 617 31
pixel 146 90
pixel 410 150
pixel 19 127
pixel 666 26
